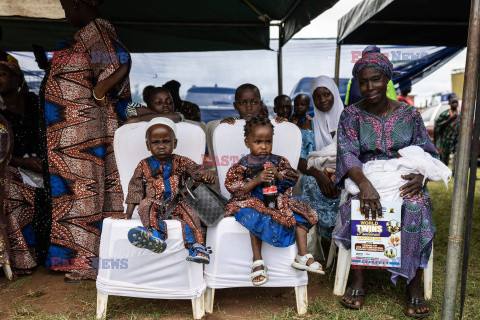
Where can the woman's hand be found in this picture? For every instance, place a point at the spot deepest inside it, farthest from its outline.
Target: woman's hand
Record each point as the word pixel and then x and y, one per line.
pixel 414 186
pixel 326 185
pixel 369 200
pixel 230 120
pixel 280 119
pixel 122 215
pixel 208 177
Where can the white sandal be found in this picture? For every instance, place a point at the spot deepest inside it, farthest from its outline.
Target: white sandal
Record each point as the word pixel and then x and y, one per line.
pixel 259 273
pixel 315 267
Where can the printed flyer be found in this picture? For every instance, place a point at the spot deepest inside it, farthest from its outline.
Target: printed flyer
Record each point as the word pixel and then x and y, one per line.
pixel 377 243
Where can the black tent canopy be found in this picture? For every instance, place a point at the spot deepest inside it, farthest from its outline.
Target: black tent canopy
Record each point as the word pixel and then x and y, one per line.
pixel 165 26
pixel 406 22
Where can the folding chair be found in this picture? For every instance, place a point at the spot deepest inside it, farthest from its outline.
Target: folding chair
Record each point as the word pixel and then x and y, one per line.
pixel 125 270
pixel 231 259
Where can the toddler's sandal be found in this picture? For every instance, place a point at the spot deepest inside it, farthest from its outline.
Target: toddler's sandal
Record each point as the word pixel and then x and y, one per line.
pixel 195 250
pixel 300 263
pixel 141 238
pixel 258 273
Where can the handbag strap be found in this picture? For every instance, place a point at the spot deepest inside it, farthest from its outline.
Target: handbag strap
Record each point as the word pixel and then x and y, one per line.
pixel 173 203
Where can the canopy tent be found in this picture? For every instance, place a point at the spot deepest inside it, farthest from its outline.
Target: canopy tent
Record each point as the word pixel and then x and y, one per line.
pixel 440 23
pixel 406 22
pixel 165 26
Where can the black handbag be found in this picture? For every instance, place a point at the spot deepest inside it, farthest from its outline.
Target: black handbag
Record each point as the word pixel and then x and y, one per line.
pixel 206 202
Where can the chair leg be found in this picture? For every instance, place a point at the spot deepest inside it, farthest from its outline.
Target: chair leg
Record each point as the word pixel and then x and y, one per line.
pixel 331 254
pixel 343 269
pixel 198 307
pixel 102 300
pixel 209 298
pixel 302 299
pixel 428 278
pixel 8 271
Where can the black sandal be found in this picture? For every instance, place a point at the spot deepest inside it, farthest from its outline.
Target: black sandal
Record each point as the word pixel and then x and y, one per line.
pixel 355 294
pixel 416 302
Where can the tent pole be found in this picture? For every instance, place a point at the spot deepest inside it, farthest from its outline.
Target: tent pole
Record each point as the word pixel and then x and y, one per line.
pixel 279 59
pixel 337 63
pixel 461 165
pixel 470 198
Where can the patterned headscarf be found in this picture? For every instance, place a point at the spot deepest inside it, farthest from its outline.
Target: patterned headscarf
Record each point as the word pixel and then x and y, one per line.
pixel 376 60
pixel 15 69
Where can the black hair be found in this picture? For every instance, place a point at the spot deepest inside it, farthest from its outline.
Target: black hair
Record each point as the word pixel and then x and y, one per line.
pixel 280 97
pixel 149 91
pixel 256 122
pixel 302 95
pixel 246 86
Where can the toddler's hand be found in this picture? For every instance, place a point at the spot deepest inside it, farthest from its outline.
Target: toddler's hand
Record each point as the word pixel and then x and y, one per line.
pixel 265 176
pixel 122 215
pixel 208 177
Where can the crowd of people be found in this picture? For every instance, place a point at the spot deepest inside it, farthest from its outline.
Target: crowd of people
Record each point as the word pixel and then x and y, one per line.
pixel 61 179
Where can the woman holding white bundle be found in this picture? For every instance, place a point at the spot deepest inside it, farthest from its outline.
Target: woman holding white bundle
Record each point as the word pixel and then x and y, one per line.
pixel 317 159
pixel 377 129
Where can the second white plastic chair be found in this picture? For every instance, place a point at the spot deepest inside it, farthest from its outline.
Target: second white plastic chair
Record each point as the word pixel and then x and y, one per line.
pixel 230 241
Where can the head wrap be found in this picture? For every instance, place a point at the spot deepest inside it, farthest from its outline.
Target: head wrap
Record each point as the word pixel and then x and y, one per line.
pixel 161 120
pixel 372 48
pixel 326 122
pixel 376 60
pixel 452 96
pixel 15 69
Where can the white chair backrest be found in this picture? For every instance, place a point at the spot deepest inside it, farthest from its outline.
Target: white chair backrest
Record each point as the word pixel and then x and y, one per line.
pixel 130 147
pixel 229 146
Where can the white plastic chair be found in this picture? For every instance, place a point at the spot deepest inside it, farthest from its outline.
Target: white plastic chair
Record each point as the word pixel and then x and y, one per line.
pixel 343 270
pixel 142 273
pixel 231 259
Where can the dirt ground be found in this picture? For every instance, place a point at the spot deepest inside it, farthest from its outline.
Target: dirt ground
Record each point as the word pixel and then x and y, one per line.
pixel 44 295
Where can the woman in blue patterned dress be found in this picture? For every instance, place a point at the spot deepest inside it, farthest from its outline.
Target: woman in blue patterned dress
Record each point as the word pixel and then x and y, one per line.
pixel 375 129
pixel 317 186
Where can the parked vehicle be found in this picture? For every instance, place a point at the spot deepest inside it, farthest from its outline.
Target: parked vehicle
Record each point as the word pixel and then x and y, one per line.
pixel 214 102
pixel 303 86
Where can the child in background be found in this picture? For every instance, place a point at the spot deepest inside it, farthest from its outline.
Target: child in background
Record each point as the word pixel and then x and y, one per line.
pixel 301 105
pixel 248 104
pixel 155 187
pixel 282 106
pixel 290 219
pixel 159 103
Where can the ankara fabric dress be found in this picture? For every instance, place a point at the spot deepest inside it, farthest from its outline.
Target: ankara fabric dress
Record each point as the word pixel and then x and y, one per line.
pixel 274 226
pixel 84 179
pixel 28 220
pixel 154 184
pixel 363 137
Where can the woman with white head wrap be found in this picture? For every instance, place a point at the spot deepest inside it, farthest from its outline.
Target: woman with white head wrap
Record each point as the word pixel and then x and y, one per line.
pixel 317 185
pixel 327 115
